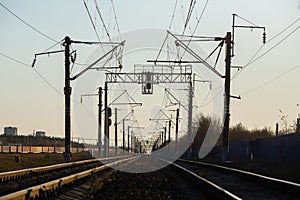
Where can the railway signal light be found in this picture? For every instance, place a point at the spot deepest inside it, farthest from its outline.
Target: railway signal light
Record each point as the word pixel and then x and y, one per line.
pixel 109 116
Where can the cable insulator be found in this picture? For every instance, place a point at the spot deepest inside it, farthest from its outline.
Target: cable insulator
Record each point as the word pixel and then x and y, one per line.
pixel 264 37
pixel 120 66
pixel 73 59
pixel 33 62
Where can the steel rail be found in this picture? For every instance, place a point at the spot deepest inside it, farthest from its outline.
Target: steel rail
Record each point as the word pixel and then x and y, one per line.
pixel 214 189
pixel 24 173
pixel 269 181
pixel 53 188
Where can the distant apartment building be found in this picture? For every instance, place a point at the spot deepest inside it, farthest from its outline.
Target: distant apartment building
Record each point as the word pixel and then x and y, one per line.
pixel 40 133
pixel 10 131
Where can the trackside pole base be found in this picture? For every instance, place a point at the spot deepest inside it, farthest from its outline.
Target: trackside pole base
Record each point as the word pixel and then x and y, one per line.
pixel 224 154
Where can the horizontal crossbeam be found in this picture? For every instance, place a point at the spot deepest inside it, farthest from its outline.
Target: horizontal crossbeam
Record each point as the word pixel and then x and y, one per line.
pixel 153 74
pixel 157 78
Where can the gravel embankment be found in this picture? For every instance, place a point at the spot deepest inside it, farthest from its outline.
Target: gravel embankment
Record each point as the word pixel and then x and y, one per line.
pixel 121 185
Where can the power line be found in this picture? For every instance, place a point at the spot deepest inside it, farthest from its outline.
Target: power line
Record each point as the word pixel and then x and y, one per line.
pixel 253 59
pixel 116 19
pixel 11 58
pixel 271 80
pixel 30 26
pixel 211 100
pixel 59 42
pixel 196 27
pixel 91 20
pixel 118 29
pixel 46 81
pixel 273 47
pixel 102 20
pixel 189 15
pixel 285 29
pixel 40 75
pixel 173 14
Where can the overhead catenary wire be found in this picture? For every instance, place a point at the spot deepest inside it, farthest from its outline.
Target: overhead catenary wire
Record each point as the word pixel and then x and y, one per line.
pixel 116 19
pixel 189 15
pixel 196 27
pixel 173 14
pixel 271 80
pixel 273 47
pixel 102 20
pixel 91 20
pixel 285 29
pixel 27 24
pixel 211 100
pixel 106 29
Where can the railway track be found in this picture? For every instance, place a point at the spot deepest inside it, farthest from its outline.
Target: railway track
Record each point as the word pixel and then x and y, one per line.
pixel 238 184
pixel 180 180
pixel 190 180
pixel 50 181
pixel 173 182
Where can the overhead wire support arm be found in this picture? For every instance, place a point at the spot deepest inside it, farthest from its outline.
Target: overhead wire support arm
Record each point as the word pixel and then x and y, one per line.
pixel 173 61
pixel 49 52
pixel 167 120
pixel 235 97
pixel 166 90
pixel 43 53
pixel 166 115
pixel 92 43
pixel 198 40
pixel 201 81
pixel 127 116
pixel 252 26
pixel 137 104
pixel 195 55
pixel 94 63
pixel 209 38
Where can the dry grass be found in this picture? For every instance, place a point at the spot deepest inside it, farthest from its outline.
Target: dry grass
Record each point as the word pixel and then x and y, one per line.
pixel 8 163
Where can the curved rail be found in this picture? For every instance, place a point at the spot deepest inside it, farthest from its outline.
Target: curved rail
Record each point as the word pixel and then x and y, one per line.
pixel 283 188
pixel 214 189
pixel 279 183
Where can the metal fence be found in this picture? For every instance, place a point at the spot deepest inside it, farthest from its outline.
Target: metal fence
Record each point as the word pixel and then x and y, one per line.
pixel 37 149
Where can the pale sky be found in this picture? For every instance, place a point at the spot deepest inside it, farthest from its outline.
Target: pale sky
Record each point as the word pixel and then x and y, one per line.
pixel 28 102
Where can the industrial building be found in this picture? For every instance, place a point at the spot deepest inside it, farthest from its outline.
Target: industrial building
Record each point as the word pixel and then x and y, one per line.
pixel 10 131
